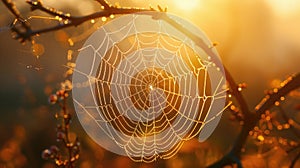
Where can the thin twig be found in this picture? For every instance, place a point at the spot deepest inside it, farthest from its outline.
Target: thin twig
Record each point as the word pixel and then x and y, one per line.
pixel 71 147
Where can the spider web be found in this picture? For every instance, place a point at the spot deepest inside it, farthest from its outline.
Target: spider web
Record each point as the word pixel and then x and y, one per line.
pixel 142 88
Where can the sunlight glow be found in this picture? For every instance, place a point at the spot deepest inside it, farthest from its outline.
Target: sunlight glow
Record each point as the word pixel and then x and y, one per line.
pixel 284 6
pixel 186 4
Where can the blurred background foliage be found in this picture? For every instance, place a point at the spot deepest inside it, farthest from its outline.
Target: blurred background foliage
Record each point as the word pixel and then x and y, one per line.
pixel 258 40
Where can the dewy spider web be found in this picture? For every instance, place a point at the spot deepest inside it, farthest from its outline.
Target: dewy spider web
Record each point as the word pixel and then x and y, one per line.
pixel 142 88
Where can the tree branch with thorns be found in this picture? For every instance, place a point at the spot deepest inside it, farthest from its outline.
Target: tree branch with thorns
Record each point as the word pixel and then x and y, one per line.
pixel 23 31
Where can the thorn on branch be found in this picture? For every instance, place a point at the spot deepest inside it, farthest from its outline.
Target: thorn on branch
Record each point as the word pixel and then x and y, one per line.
pixel 34 4
pixel 161 9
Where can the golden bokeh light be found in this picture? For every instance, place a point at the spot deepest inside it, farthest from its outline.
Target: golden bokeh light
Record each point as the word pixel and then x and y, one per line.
pixel 284 6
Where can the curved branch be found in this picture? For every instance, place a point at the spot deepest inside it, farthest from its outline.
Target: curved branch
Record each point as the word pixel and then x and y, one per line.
pixel 251 118
pixel 234 155
pixel 292 84
pixel 65 20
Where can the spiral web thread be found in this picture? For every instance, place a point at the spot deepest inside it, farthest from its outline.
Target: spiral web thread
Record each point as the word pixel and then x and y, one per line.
pixel 150 91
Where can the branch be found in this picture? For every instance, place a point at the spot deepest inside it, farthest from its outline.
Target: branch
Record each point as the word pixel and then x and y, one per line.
pixel 18 18
pixel 65 20
pixel 12 8
pixel 234 155
pixel 240 98
pixel 291 84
